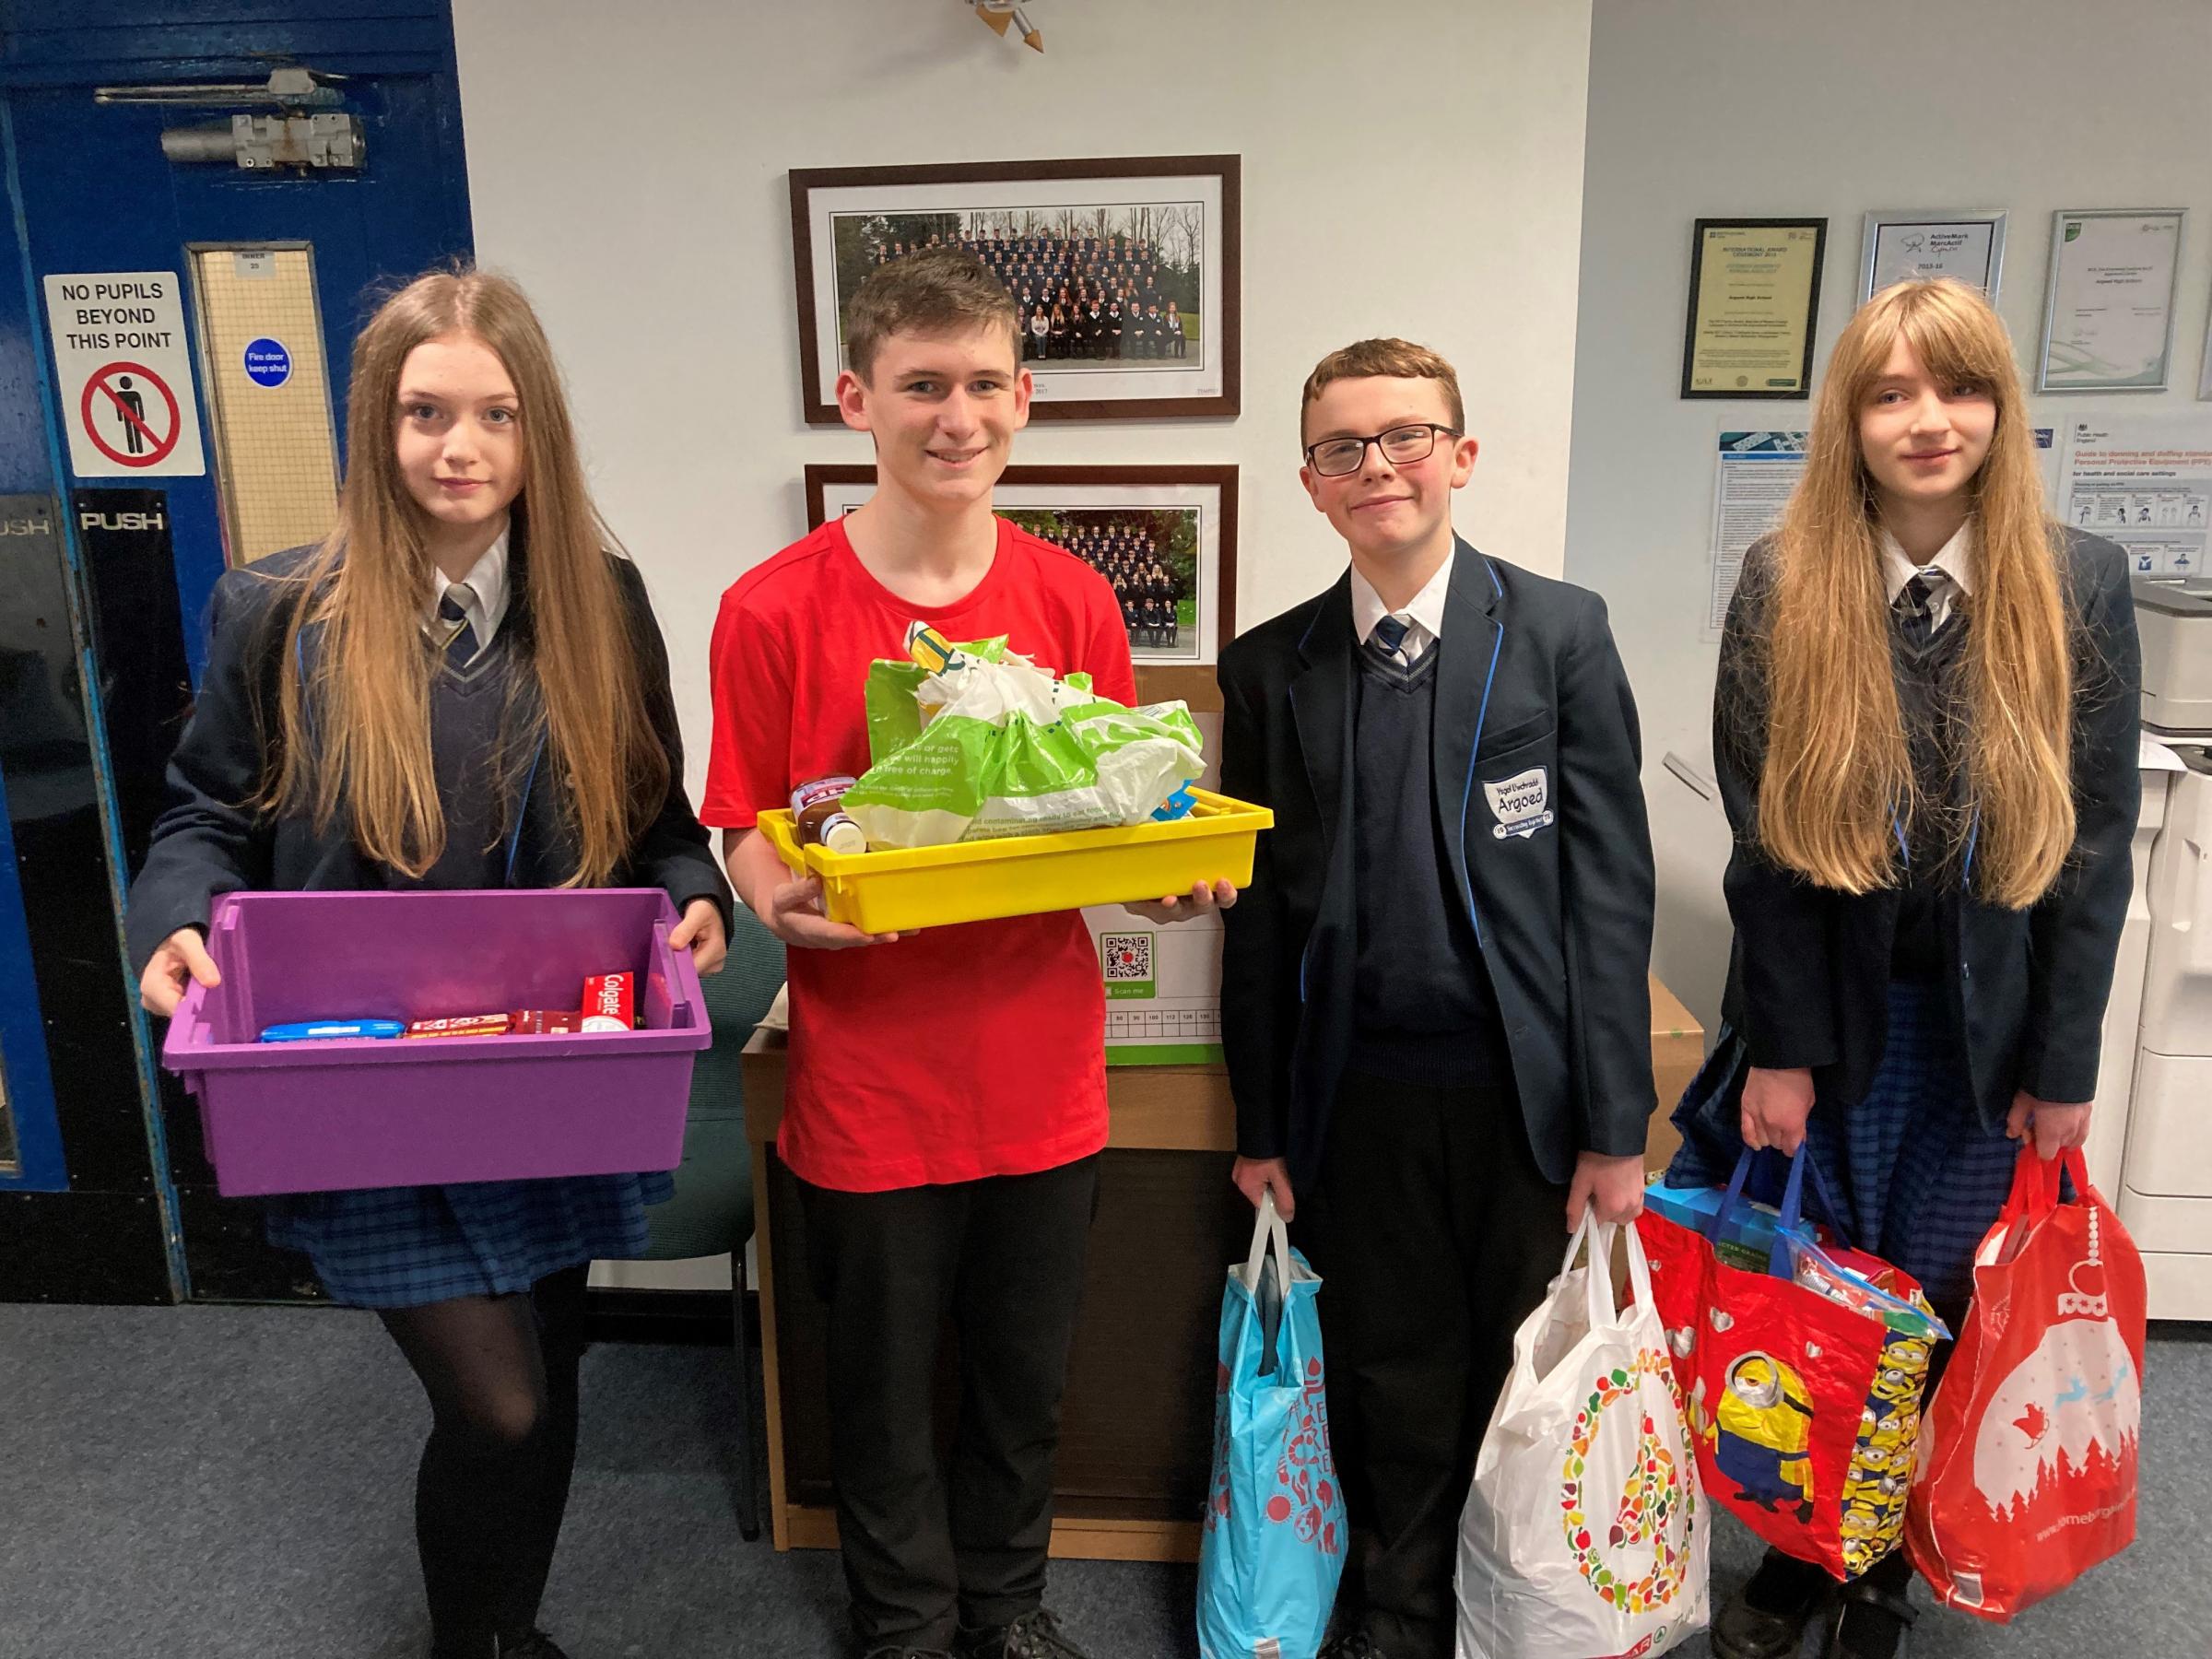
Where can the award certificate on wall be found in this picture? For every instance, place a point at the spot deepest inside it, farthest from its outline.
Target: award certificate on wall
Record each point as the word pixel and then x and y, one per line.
pixel 1901 247
pixel 2110 324
pixel 1754 297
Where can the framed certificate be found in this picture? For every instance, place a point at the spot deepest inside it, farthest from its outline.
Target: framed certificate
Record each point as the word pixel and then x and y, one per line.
pixel 1754 298
pixel 2204 372
pixel 2109 323
pixel 1900 246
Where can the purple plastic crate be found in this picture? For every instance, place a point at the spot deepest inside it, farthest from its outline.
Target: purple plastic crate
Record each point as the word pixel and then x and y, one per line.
pixel 305 1117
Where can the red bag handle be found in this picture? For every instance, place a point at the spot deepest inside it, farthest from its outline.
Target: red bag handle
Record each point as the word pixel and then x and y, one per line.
pixel 2035 1181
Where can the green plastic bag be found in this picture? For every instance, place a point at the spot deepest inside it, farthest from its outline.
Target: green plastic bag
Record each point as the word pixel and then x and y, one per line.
pixel 1012 751
pixel 894 712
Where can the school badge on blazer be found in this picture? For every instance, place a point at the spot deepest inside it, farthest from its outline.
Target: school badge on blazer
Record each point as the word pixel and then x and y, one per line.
pixel 1521 804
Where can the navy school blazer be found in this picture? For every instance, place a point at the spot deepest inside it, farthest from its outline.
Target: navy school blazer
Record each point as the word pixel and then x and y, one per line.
pixel 210 840
pixel 1809 972
pixel 1555 871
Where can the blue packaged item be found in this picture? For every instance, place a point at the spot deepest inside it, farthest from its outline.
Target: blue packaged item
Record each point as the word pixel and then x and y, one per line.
pixel 1746 1239
pixel 1273 1546
pixel 327 1030
pixel 1177 806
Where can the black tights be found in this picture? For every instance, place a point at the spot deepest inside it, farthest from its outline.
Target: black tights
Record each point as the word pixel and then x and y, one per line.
pixel 501 1374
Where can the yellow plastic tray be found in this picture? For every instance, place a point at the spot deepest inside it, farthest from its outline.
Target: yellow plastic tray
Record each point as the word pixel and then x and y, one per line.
pixel 904 888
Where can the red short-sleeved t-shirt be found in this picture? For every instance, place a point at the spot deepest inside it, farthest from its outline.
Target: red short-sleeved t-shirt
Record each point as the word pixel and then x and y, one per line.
pixel 956 1053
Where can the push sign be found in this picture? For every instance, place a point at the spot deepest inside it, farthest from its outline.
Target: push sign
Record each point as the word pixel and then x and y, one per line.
pixel 267 362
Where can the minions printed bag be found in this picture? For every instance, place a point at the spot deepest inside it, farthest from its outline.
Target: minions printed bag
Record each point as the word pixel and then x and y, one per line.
pixel 1804 1382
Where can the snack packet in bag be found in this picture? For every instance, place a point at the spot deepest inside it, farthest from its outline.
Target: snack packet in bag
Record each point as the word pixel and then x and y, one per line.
pixel 1010 751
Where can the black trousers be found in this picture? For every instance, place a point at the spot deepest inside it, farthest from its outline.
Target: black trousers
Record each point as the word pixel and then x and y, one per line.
pixel 929 1549
pixel 1436 1234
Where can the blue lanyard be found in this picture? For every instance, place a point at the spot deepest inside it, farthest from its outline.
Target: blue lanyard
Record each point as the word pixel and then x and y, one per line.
pixel 1974 836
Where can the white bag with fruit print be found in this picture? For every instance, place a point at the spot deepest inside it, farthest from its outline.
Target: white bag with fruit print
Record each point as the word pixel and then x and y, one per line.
pixel 1584 1535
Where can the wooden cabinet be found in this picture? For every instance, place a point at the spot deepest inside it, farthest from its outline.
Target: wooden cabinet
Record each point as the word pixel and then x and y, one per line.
pixel 1137 1421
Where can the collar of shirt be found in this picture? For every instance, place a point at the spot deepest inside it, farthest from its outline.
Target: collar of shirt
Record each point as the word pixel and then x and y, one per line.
pixel 488 580
pixel 1953 560
pixel 1423 614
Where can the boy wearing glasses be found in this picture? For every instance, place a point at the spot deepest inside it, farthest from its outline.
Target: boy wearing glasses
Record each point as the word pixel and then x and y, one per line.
pixel 1434 1006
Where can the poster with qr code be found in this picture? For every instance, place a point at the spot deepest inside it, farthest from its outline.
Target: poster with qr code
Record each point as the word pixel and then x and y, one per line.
pixel 1163 987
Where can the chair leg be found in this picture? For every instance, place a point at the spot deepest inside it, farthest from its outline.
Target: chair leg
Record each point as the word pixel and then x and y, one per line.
pixel 748 1496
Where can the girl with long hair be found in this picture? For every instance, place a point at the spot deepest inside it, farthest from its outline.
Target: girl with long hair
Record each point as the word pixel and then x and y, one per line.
pixel 463 686
pixel 1925 732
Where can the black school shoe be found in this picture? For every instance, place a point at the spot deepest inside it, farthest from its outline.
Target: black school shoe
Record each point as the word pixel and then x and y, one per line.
pixel 1032 1636
pixel 1873 1615
pixel 1766 1619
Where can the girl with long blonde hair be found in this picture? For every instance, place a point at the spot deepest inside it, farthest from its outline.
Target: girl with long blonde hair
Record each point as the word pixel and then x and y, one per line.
pixel 463 686
pixel 1925 729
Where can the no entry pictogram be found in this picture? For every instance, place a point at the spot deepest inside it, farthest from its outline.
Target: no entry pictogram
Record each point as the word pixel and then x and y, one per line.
pixel 118 398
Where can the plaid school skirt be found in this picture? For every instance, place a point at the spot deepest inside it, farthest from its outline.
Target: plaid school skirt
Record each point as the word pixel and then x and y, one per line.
pixel 401 1247
pixel 1918 1173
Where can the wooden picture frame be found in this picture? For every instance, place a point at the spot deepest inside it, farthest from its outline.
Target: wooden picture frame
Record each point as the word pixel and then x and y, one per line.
pixel 1165 226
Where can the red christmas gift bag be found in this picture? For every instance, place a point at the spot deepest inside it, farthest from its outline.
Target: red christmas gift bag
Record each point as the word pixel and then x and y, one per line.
pixel 1805 1398
pixel 2028 1469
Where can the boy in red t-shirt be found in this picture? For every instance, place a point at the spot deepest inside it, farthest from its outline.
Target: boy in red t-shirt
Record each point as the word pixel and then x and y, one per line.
pixel 946 1100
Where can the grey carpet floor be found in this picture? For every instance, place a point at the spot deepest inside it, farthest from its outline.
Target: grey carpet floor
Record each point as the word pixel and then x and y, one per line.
pixel 228 1483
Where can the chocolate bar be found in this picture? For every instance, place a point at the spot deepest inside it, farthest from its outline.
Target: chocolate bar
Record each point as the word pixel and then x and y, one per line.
pixel 462 1024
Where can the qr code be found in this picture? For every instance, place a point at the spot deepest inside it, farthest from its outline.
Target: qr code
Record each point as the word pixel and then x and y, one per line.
pixel 1127 955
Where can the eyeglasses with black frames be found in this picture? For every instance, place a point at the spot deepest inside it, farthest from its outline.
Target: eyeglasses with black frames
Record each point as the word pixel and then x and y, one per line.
pixel 1401 446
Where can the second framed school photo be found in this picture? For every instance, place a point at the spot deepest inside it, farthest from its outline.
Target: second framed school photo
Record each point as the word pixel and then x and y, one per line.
pixel 1126 271
pixel 1164 537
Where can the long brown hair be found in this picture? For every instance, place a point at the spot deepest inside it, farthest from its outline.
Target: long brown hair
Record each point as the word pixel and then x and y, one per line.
pixel 1838 777
pixel 360 737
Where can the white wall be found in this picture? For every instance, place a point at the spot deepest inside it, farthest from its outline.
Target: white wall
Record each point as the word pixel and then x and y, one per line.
pixel 1704 109
pixel 627 164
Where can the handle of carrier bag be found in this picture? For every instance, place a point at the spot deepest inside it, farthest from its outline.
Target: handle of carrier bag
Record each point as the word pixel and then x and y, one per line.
pixel 1268 1229
pixel 1269 1233
pixel 2035 1181
pixel 1793 1211
pixel 1597 1281
pixel 1792 1206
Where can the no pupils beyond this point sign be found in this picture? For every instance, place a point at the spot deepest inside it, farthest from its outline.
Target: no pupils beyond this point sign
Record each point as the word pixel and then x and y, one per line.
pixel 123 374
pixel 268 363
pixel 112 397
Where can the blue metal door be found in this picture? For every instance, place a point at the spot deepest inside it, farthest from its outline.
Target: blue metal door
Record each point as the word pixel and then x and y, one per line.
pixel 166 180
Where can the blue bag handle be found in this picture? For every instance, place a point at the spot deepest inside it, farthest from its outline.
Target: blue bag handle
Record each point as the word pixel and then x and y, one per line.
pixel 1792 1206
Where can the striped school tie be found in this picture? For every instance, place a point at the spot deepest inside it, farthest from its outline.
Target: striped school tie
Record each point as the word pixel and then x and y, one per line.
pixel 1915 608
pixel 1393 632
pixel 459 645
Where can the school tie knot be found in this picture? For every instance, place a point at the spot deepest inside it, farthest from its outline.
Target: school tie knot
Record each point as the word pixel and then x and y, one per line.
pixel 461 643
pixel 1915 608
pixel 1392 631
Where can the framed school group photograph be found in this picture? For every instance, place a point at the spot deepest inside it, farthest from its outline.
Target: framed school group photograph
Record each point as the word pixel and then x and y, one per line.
pixel 1164 537
pixel 1126 272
